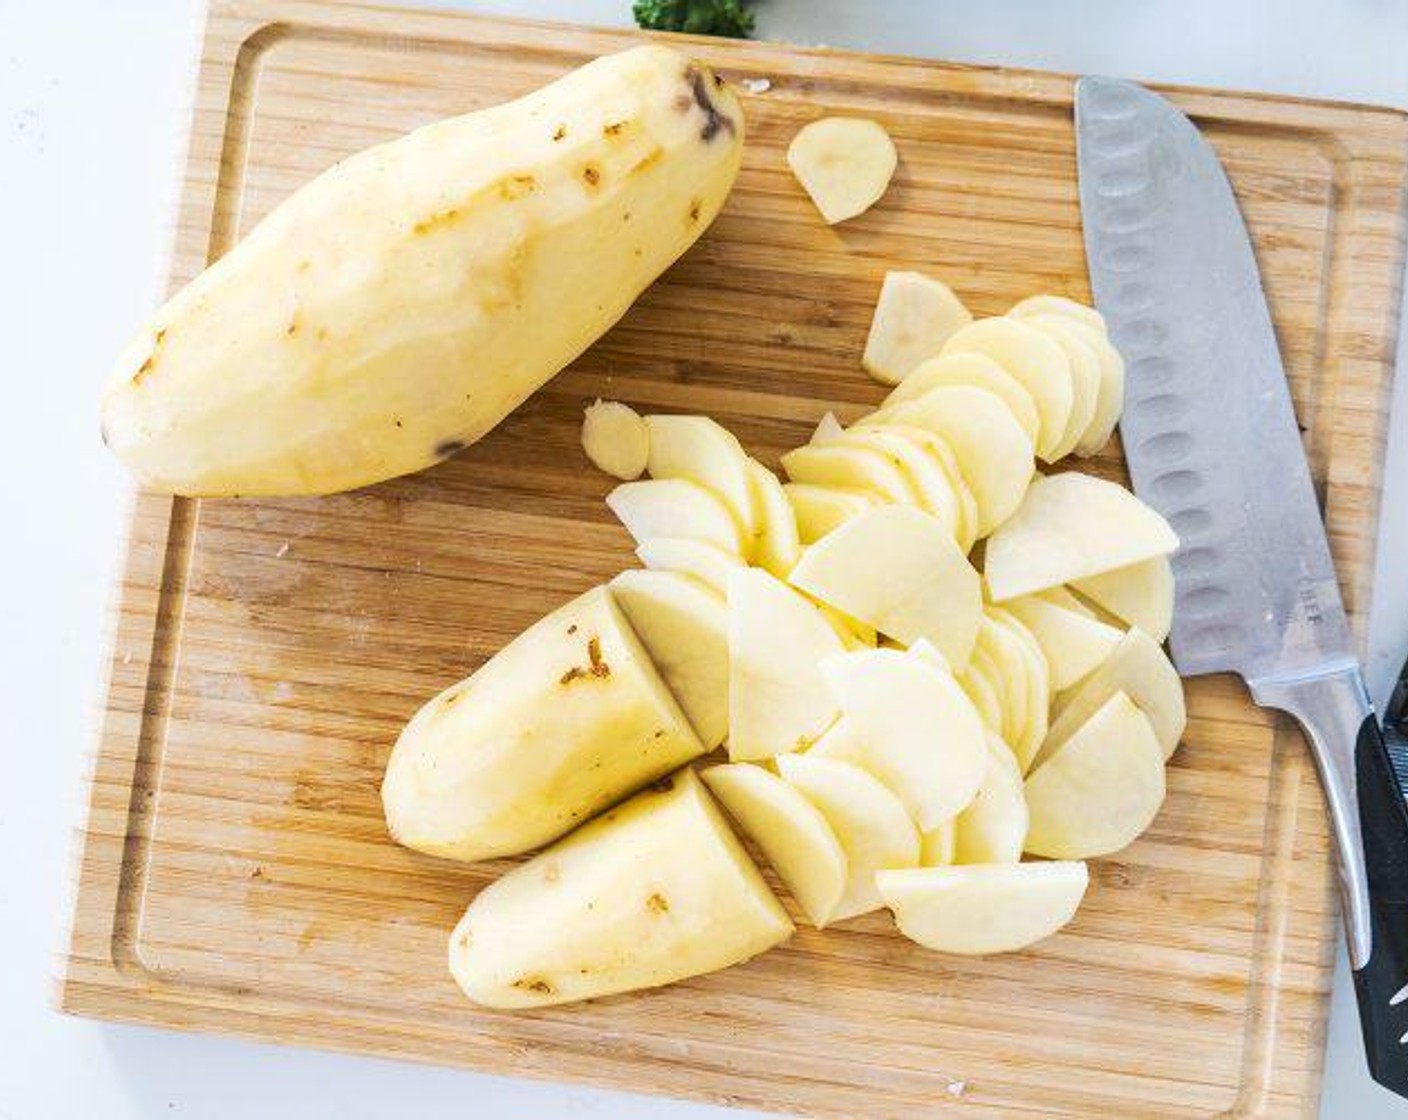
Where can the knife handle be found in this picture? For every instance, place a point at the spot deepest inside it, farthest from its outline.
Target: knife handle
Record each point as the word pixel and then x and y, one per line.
pixel 1370 822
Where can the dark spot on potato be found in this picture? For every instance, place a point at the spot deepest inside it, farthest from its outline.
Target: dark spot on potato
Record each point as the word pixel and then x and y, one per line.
pixel 613 129
pixel 572 629
pixel 398 423
pixel 425 225
pixel 600 668
pixel 447 447
pixel 591 175
pixel 650 158
pixel 663 785
pixel 450 699
pixel 160 335
pixel 292 327
pixel 576 673
pixel 516 186
pixel 639 251
pixel 256 872
pixel 144 369
pixel 718 82
pixel 626 217
pixel 657 904
pixel 695 206
pixel 535 984
pixel 659 733
pixel 464 940
pixel 714 121
pixel 559 132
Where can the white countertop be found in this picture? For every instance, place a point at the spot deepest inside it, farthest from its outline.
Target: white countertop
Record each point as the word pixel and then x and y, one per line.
pixel 93 108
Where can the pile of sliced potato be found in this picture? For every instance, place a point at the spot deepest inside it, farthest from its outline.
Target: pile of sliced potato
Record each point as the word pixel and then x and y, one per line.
pixel 905 717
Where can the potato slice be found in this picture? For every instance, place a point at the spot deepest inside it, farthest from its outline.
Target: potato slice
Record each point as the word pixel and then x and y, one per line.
pixel 674 507
pixel 1034 360
pixel 708 563
pixel 1085 374
pixel 1006 668
pixel 983 908
pixel 834 463
pixel 936 845
pixel 932 490
pixel 819 509
pixel 993 453
pixel 1071 526
pixel 615 439
pixel 776 546
pixel 870 822
pixel 993 828
pixel 977 370
pixel 1140 594
pixel 791 831
pixel 828 427
pixel 844 164
pixel 1138 667
pixel 1058 305
pixel 778 700
pixel 898 570
pixel 1035 681
pixel 942 456
pixel 1100 789
pixel 980 681
pixel 914 317
pixel 702 450
pixel 906 721
pixel 684 627
pixel 651 892
pixel 1074 643
pixel 1110 402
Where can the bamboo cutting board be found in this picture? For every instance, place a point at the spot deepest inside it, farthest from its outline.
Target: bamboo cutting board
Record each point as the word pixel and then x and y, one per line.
pixel 236 875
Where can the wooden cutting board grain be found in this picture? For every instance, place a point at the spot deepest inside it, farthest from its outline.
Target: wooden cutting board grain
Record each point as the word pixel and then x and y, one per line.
pixel 235 872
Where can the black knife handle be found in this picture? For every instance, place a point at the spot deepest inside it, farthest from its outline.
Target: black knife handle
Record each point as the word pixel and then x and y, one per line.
pixel 1382 983
pixel 1370 825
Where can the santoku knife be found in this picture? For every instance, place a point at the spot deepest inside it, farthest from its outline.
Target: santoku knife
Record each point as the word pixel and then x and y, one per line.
pixel 1211 440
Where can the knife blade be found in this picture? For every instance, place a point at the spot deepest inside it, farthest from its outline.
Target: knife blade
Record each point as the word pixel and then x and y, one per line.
pixel 1211 440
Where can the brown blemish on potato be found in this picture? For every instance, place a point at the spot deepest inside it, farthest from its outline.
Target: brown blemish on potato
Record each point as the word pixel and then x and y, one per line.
pixel 398 423
pixel 663 785
pixel 659 733
pixel 650 158
pixel 444 218
pixel 447 447
pixel 714 120
pixel 695 207
pixel 591 175
pixel 450 699
pixel 516 186
pixel 576 673
pixel 292 327
pixel 657 904
pixel 534 984
pixel 613 129
pixel 150 364
pixel 464 940
pixel 572 629
pixel 559 133
pixel 600 668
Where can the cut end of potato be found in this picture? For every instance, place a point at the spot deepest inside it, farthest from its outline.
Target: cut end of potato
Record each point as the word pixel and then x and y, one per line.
pixel 914 317
pixel 615 439
pixel 844 164
pixel 983 908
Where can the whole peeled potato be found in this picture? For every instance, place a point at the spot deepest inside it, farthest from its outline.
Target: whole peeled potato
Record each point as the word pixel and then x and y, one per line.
pixel 401 304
